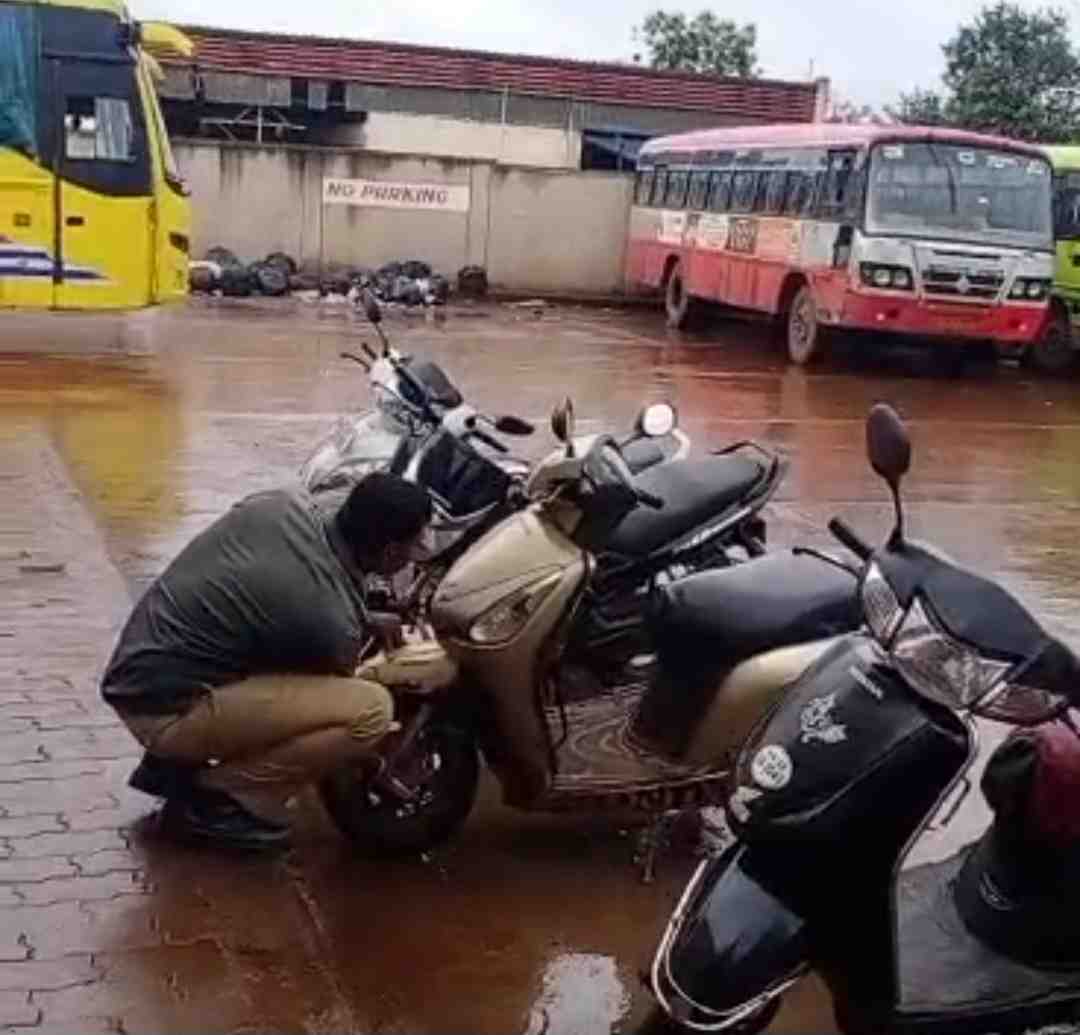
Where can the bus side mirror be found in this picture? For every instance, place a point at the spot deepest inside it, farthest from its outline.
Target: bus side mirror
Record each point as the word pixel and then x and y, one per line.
pixel 842 248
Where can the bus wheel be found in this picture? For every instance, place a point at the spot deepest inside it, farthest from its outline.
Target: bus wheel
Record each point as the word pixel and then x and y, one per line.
pixel 804 333
pixel 1052 353
pixel 677 301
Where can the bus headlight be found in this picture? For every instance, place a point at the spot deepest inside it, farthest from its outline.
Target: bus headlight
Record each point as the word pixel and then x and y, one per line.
pixel 1033 289
pixel 896 278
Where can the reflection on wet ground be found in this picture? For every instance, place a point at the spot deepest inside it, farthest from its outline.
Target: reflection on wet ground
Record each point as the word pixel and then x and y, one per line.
pixel 530 924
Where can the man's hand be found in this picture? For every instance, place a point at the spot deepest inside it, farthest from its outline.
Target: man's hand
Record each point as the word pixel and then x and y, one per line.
pixel 388 627
pixel 421 664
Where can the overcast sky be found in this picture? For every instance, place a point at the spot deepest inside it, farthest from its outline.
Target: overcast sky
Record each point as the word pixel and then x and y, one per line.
pixel 871 49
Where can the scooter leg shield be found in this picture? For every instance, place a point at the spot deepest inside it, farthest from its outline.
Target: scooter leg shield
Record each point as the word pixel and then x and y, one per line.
pixel 730 948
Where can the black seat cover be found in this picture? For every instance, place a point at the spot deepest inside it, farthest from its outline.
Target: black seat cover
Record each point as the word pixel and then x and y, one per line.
pixel 728 614
pixel 708 622
pixel 693 491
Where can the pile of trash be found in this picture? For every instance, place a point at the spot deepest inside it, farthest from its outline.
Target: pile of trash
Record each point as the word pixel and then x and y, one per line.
pixel 409 283
pixel 222 272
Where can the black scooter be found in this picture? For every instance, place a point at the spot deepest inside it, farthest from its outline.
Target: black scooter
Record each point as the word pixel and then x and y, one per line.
pixel 832 791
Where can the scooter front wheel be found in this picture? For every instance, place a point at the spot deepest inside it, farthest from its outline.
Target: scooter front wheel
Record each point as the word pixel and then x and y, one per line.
pixel 447 770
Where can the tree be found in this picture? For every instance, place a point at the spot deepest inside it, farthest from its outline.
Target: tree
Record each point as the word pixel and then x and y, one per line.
pixel 1012 72
pixel 921 108
pixel 845 111
pixel 703 43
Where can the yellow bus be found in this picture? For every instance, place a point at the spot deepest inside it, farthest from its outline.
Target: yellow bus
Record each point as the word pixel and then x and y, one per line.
pixel 93 212
pixel 1061 333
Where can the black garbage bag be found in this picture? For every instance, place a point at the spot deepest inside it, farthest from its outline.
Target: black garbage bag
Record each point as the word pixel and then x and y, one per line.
pixel 201 278
pixel 283 261
pixel 223 257
pixel 391 270
pixel 236 281
pixel 414 269
pixel 412 294
pixel 472 282
pixel 303 282
pixel 439 289
pixel 335 284
pixel 272 280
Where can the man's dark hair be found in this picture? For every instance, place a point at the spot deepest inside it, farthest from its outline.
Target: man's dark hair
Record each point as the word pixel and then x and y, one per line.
pixel 383 509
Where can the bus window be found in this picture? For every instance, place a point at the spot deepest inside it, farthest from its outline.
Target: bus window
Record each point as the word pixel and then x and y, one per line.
pixel 798 192
pixel 775 192
pixel 98 129
pixel 840 182
pixel 720 192
pixel 660 187
pixel 743 190
pixel 676 189
pixel 644 186
pixel 699 187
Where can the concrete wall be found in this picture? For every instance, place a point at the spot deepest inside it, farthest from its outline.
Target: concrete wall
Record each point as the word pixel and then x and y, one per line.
pixel 534 229
pixel 542 146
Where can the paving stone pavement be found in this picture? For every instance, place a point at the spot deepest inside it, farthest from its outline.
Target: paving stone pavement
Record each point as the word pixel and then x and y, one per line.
pixel 103 926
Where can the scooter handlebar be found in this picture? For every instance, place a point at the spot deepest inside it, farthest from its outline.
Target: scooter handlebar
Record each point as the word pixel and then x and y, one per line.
pixel 490 441
pixel 850 538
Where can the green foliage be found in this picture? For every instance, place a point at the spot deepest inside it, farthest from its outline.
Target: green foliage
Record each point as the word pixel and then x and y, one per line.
pixel 703 43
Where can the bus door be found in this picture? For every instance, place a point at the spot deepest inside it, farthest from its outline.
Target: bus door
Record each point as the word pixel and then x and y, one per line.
pixel 837 203
pixel 702 263
pixel 103 163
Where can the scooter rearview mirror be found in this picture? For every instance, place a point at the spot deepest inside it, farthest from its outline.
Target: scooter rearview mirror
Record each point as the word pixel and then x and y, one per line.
pixel 562 424
pixel 508 424
pixel 889 449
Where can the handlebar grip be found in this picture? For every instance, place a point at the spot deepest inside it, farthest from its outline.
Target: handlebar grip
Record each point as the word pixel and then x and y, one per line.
pixel 850 539
pixel 493 443
pixel 655 502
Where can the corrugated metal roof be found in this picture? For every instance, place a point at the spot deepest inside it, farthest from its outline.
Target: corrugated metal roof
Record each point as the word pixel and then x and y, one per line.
pixel 399 64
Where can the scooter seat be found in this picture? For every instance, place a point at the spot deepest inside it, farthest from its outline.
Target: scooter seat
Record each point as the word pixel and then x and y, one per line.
pixel 726 615
pixel 693 491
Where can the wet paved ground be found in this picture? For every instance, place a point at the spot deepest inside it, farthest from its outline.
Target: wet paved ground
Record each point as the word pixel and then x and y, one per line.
pixel 525 924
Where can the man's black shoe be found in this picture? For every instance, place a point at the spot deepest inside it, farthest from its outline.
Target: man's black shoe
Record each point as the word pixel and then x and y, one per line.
pixel 216 818
pixel 163 777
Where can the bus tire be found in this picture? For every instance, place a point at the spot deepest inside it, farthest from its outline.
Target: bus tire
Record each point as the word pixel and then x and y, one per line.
pixel 1052 351
pixel 679 305
pixel 805 336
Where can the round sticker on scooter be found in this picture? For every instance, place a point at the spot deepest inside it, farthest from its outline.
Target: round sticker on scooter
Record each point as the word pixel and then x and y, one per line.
pixel 771 767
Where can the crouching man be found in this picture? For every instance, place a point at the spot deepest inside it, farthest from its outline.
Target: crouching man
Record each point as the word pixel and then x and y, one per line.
pixel 236 670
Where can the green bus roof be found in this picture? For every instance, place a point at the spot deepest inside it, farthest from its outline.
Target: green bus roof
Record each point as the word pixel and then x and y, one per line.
pixel 1063 156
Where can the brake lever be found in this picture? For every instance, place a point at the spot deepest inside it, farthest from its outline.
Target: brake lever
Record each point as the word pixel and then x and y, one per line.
pixel 357 359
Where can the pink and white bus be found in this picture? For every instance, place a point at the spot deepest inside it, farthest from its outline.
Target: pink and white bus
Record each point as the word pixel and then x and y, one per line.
pixel 921 232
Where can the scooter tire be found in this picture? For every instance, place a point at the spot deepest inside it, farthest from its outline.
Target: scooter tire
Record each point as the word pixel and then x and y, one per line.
pixel 384 828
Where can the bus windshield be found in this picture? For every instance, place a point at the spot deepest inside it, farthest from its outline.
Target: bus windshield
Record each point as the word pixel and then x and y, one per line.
pixel 960 193
pixel 1067 206
pixel 18 78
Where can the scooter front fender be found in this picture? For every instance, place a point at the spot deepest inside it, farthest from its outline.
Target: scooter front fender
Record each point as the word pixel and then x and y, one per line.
pixel 731 947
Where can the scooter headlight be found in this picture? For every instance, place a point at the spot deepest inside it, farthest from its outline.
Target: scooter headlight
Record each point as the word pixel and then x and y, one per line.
pixel 939 667
pixel 508 617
